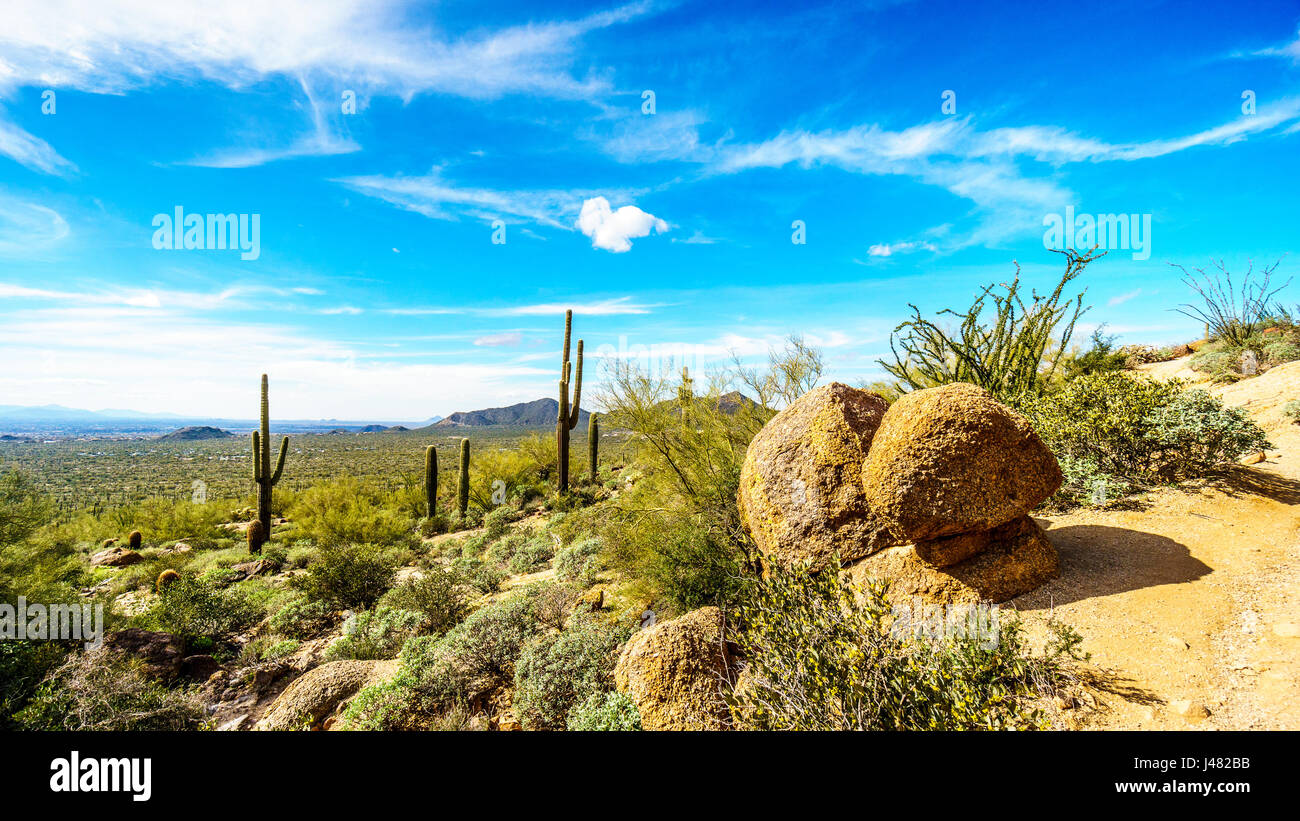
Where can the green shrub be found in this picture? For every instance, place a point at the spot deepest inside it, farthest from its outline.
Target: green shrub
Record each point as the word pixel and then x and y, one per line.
pixel 23 666
pixel 1100 357
pixel 376 634
pixel 348 510
pixel 497 523
pixel 579 562
pixel 1278 353
pixel 100 690
pixel 350 576
pixel 1216 362
pixel 482 576
pixel 531 555
pixel 822 655
pixel 438 593
pixel 196 608
pixel 1138 429
pixel 303 619
pixel 610 711
pixel 1291 410
pixel 555 672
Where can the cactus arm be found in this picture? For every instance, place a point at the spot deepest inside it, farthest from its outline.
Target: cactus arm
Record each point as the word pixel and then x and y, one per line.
pixel 576 407
pixel 279 463
pixel 257 458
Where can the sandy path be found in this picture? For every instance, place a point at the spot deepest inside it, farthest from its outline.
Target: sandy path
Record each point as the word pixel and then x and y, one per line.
pixel 1196 596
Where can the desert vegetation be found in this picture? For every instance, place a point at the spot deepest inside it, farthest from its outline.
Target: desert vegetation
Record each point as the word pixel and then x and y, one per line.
pixel 518 582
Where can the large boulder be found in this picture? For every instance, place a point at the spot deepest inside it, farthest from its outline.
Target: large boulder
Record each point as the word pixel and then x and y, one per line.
pixel 801 493
pixel 323 691
pixel 117 556
pixel 952 460
pixel 674 671
pixel 1016 558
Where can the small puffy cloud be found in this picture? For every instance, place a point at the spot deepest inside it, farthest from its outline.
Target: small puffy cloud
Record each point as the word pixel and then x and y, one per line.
pixel 612 230
pixel 506 340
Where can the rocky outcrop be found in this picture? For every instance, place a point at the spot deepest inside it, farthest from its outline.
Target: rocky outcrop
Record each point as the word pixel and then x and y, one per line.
pixel 322 692
pixel 161 653
pixel 932 493
pixel 801 491
pixel 117 556
pixel 674 671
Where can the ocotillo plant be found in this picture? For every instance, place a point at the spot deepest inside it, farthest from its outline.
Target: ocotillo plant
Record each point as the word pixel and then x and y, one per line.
pixel 568 417
pixel 593 445
pixel 262 473
pixel 431 480
pixel 462 490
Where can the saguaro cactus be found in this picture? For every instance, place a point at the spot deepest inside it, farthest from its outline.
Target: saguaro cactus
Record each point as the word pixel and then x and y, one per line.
pixel 431 481
pixel 462 490
pixel 593 445
pixel 262 473
pixel 568 416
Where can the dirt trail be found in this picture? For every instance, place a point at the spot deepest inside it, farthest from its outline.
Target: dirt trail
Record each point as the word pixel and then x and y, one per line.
pixel 1196 596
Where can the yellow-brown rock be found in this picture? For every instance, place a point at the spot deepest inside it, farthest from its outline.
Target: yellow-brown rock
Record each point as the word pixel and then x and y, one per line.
pixel 673 671
pixel 952 460
pixel 801 494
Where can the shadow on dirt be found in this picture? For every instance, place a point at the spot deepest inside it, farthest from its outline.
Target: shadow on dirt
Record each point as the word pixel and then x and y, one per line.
pixel 1248 481
pixel 1099 560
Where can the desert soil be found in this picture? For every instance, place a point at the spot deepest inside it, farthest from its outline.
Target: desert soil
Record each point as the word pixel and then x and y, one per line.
pixel 1191 598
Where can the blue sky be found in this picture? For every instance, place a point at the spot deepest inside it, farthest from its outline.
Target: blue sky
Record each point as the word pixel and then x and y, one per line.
pixel 378 292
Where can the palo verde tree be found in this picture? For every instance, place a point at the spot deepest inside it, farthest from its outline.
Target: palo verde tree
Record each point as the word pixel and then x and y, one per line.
pixel 568 415
pixel 262 473
pixel 1013 353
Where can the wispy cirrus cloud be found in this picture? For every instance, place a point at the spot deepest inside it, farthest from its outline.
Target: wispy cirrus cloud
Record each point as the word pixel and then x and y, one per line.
pixel 26 226
pixel 619 306
pixel 31 151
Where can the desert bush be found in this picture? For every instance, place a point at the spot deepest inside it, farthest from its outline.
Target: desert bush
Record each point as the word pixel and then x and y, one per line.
pixel 1277 353
pixel 1013 352
pixel 303 619
pixel 553 602
pixel 439 593
pixel 376 634
pixel 556 672
pixel 1233 314
pixel 496 523
pixel 821 655
pixel 23 666
pixel 1216 362
pixel 611 711
pixel 1140 429
pixel 347 510
pixel 1100 357
pixel 100 690
pixel 1291 410
pixel 350 576
pixel 579 561
pixel 485 577
pixel 531 555
pixel 194 608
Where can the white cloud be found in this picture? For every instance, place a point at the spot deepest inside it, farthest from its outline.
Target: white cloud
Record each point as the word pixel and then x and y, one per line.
pixel 1122 298
pixel 889 249
pixel 372 44
pixel 502 340
pixel 29 150
pixel 612 230
pixel 26 227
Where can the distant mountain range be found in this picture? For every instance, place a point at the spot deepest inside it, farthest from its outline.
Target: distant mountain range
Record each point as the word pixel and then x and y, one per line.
pixel 59 420
pixel 536 414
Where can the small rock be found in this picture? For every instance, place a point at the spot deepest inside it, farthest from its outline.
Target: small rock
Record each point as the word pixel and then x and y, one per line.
pixel 233 724
pixel 1177 642
pixel 200 667
pixel 115 557
pixel 179 547
pixel 1254 458
pixel 1191 711
pixel 251 569
pixel 508 723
